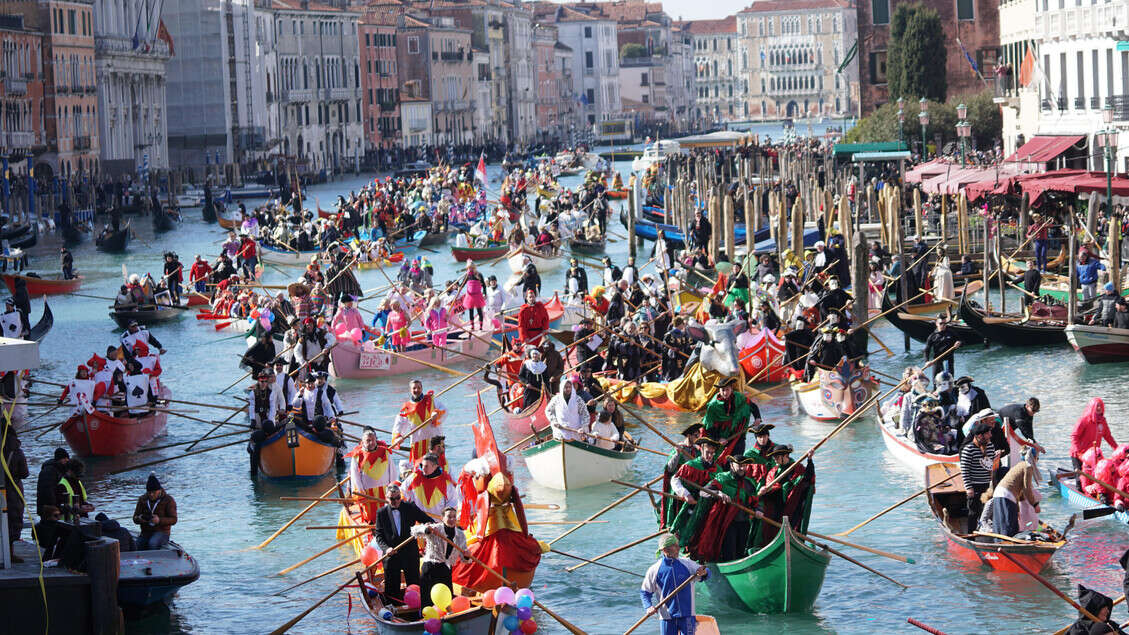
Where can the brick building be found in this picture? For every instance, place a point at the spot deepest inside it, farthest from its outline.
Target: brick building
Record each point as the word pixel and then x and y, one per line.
pixel 21 89
pixel 379 78
pixel 435 62
pixel 975 23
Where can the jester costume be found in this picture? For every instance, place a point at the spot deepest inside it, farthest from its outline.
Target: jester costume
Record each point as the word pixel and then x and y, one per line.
pixel 431 492
pixel 369 473
pixel 689 518
pixel 727 530
pixel 412 414
pixel 497 534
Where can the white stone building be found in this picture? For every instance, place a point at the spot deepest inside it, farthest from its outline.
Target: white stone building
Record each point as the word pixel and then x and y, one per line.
pixel 130 67
pixel 595 58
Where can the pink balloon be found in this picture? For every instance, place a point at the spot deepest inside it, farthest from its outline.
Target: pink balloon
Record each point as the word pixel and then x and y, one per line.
pixel 411 599
pixel 432 625
pixel 504 595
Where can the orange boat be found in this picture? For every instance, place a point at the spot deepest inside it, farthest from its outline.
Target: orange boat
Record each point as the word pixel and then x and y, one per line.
pixel 619 194
pixel 291 452
pixel 637 398
pixel 37 286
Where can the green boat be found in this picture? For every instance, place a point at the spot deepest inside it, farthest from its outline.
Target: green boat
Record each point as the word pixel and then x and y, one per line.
pixel 784 576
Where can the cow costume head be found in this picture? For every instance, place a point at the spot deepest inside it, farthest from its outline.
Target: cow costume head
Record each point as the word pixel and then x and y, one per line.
pixel 719 345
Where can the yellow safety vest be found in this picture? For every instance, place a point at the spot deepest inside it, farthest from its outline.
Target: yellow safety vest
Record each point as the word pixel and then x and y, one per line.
pixel 70 497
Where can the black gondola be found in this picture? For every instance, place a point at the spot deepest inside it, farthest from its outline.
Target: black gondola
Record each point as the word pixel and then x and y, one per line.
pixel 25 240
pixel 113 240
pixel 580 245
pixel 72 235
pixel 1012 333
pixel 11 231
pixel 209 211
pixel 163 221
pixel 433 238
pixel 149 314
pixel 920 330
pixel 39 331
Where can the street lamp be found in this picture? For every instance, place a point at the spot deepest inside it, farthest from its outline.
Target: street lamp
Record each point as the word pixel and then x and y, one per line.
pixel 901 118
pixel 1107 140
pixel 964 131
pixel 923 119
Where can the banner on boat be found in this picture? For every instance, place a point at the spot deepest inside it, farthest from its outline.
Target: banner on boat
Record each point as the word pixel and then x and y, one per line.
pixel 374 360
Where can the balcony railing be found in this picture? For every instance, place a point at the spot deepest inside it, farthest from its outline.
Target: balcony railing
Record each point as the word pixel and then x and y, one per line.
pixel 452 56
pixel 298 95
pixel 1079 103
pixel 82 142
pixel 1120 104
pixel 341 94
pixel 450 105
pixel 387 106
pixel 17 140
pixel 13 86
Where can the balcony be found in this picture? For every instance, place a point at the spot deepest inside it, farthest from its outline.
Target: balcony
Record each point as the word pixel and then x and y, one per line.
pixel 387 106
pixel 16 140
pixel 82 142
pixel 14 86
pixel 453 105
pixel 341 94
pixel 297 96
pixel 452 56
pixel 1120 105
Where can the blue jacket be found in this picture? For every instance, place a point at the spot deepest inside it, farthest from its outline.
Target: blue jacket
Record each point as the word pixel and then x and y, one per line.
pixel 1088 272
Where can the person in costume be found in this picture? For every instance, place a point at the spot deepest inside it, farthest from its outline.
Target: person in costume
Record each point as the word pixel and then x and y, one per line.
pixel 727 530
pixel 686 450
pixel 567 414
pixel 534 378
pixel 662 578
pixel 532 319
pixel 727 416
pixel 759 462
pixel 80 391
pixel 970 400
pixel 439 557
pixel 790 497
pixel 370 472
pixel 267 409
pixel 698 471
pixel 430 487
pixel 410 422
pixel 474 300
pixel 348 323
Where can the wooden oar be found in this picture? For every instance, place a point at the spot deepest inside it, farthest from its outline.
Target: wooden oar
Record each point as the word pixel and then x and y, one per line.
pixel 321 553
pixel 173 445
pixel 1064 630
pixel 924 627
pixel 896 505
pixel 248 373
pixel 669 596
pixel 617 550
pixel 599 564
pixel 208 434
pixel 1099 481
pixel 606 508
pixel 851 418
pixel 318 576
pixel 287 626
pixel 173 458
pixel 449 371
pixel 563 622
pixel 753 512
pixel 894 308
pixel 1038 578
pixel 293 520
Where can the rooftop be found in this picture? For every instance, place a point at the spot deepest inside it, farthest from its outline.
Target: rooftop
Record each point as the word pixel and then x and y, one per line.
pixel 727 24
pixel 770 6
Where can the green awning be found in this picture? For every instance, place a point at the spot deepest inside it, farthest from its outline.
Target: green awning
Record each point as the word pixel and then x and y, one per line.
pixel 899 155
pixel 848 150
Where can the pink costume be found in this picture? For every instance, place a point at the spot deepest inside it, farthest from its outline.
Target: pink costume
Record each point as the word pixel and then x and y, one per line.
pixel 1091 429
pixel 474 297
pixel 437 323
pixel 397 328
pixel 348 324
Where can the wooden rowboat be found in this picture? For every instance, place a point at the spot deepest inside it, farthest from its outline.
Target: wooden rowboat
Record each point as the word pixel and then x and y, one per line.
pixel 920 327
pixel 37 286
pixel 948 503
pixel 351 361
pixel 1099 344
pixel 835 394
pixel 462 254
pixel 228 223
pixel 40 329
pixel 150 314
pixel 392 259
pixel 113 241
pixel 291 452
pixel 284 256
pixel 164 221
pixel 1075 498
pixel 1012 332
pixel 582 246
pixel 544 261
pixel 784 576
pixel 473 621
pixel 906 450
pixel 565 465
pixel 618 194
pixel 531 419
pixel 102 434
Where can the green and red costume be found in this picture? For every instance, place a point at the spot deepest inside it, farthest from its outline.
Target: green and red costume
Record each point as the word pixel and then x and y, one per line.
pixel 689 518
pixel 727 418
pixel 762 463
pixel 790 497
pixel 669 507
pixel 727 531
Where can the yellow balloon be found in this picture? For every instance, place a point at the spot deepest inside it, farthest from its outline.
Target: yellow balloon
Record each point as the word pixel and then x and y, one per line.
pixel 429 612
pixel 441 595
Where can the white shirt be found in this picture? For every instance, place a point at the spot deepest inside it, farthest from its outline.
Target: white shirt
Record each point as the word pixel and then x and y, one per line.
pixel 567 418
pixel 606 430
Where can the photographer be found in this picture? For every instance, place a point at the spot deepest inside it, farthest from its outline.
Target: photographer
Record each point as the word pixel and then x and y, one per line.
pixel 156 514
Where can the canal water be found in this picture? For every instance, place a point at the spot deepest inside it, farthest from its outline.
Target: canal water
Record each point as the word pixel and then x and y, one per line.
pixel 222 512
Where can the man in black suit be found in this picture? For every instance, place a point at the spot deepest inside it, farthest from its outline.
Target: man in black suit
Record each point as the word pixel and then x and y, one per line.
pixel 394 525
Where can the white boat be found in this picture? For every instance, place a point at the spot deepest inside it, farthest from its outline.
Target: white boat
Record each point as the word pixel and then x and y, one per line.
pixel 283 256
pixel 250 191
pixel 1099 344
pixel 655 153
pixel 566 465
pixel 905 449
pixel 835 394
pixel 543 261
pixel 187 200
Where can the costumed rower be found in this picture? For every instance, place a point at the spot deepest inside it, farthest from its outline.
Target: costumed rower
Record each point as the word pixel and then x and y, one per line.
pixel 727 416
pixel 727 531
pixel 698 471
pixel 790 497
pixel 686 450
pixel 430 487
pixel 370 472
pixel 662 578
pixel 567 413
pixel 532 319
pixel 760 462
pixel 417 409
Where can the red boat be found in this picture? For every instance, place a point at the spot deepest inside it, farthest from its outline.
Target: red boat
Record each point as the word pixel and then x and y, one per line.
pixel 102 434
pixel 530 419
pixel 947 501
pixel 462 254
pixel 766 350
pixel 43 286
pixel 196 299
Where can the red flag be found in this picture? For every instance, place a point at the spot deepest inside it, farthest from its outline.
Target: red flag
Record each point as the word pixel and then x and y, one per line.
pixel 485 446
pixel 1027 68
pixel 163 35
pixel 480 171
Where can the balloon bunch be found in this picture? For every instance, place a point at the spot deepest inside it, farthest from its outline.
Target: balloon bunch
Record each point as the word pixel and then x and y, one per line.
pixel 521 621
pixel 443 604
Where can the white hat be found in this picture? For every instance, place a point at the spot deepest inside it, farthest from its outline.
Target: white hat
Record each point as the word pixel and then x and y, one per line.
pixel 819 244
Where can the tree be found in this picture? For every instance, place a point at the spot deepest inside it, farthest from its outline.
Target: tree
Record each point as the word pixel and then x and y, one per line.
pixel 915 59
pixel 631 50
pixel 882 124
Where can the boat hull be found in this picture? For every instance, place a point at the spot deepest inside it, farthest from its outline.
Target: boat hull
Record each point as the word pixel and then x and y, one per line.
pixel 43 286
pixel 1012 333
pixel 284 256
pixel 906 452
pixel 462 254
pixel 920 330
pixel 784 576
pixel 541 261
pixel 1076 498
pixel 568 465
pixel 151 316
pixel 154 576
pixel 350 361
pixel 1099 344
pixel 532 419
pixel 102 434
pixel 310 459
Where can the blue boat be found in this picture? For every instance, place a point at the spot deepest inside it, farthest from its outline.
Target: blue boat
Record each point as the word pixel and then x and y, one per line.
pixel 1076 498
pixel 649 230
pixel 151 577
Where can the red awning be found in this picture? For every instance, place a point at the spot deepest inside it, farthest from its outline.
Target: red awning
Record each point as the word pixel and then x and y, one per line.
pixel 1041 149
